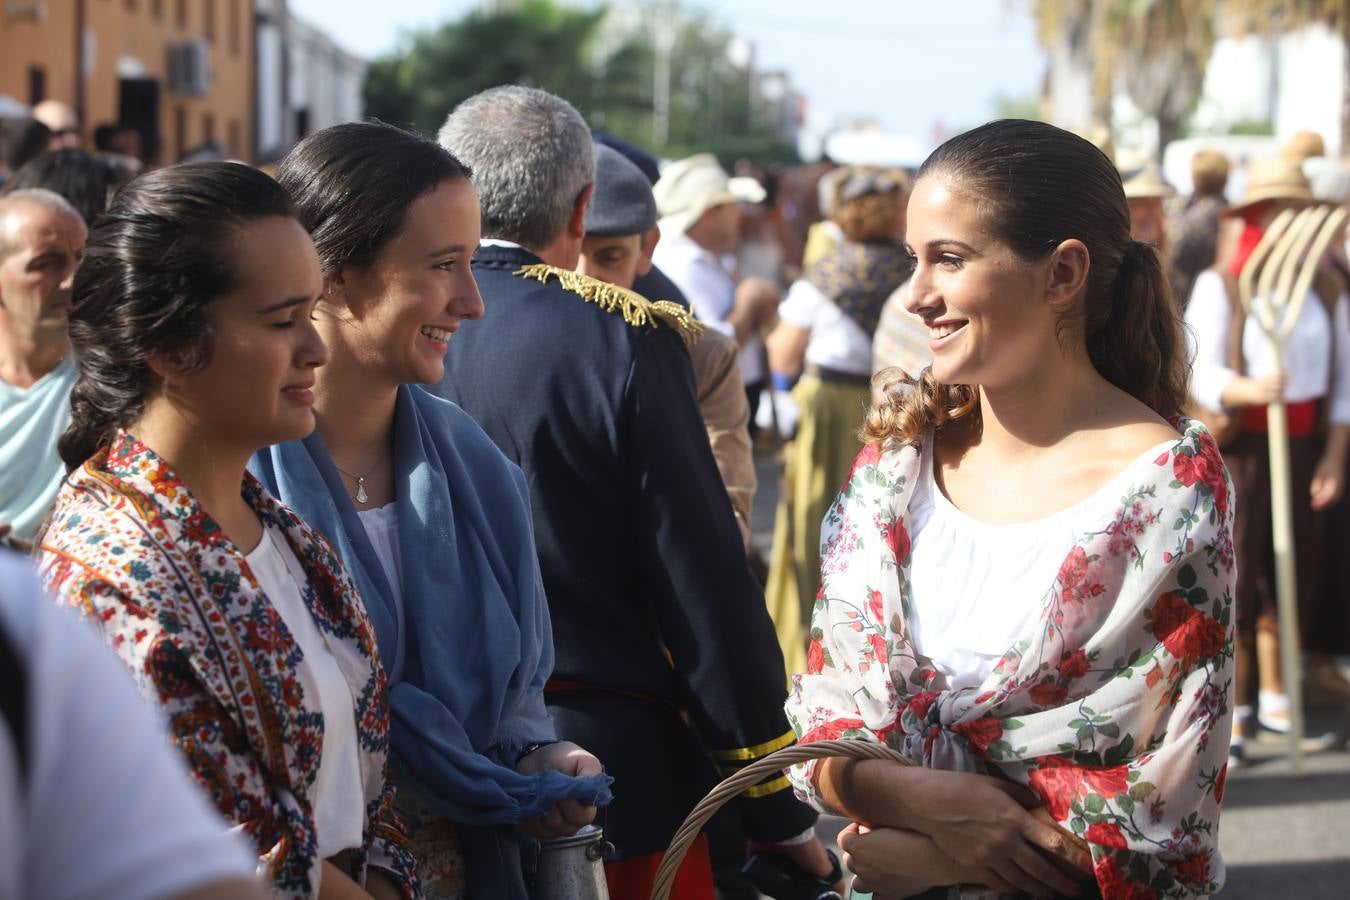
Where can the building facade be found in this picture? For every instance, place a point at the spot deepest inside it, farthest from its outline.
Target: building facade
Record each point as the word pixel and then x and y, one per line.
pixel 241 78
pixel 178 71
pixel 305 81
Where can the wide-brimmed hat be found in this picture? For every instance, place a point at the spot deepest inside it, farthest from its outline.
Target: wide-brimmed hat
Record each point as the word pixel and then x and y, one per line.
pixel 1147 182
pixel 1277 178
pixel 689 188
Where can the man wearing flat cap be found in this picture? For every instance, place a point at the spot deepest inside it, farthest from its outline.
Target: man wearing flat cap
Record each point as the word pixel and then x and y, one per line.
pixel 666 657
pixel 621 232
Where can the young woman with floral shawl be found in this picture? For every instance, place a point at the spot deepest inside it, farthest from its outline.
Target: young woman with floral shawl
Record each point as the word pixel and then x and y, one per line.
pixel 190 325
pixel 1057 359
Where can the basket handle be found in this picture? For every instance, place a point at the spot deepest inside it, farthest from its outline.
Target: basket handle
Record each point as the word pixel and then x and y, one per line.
pixel 748 777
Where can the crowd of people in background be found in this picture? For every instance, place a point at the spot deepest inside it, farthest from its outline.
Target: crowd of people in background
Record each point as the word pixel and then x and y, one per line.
pixel 413 483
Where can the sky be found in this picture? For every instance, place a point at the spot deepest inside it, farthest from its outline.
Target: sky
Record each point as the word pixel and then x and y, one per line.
pixel 913 65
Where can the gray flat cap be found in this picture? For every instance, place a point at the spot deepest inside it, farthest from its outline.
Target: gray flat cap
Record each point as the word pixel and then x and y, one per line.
pixel 623 203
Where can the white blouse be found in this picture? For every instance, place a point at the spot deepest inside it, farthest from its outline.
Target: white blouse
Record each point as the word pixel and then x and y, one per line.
pixel 381 527
pixel 1307 360
pixel 338 800
pixel 976 587
pixel 836 342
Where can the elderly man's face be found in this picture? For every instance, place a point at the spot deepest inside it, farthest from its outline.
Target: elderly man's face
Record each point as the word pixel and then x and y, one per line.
pixel 1148 220
pixel 39 250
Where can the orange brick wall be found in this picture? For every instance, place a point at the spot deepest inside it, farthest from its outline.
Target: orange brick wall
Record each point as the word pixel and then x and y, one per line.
pixel 142 30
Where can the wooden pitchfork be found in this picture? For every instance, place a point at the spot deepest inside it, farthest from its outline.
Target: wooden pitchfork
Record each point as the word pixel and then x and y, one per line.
pixel 1273 286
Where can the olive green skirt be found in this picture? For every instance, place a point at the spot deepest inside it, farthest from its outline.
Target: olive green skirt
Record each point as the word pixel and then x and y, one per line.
pixel 816 464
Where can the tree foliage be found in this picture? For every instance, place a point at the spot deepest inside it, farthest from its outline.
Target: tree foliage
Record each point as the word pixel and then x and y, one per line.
pixel 1157 50
pixel 607 70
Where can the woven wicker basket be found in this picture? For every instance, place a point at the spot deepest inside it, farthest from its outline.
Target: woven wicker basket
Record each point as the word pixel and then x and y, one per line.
pixel 748 777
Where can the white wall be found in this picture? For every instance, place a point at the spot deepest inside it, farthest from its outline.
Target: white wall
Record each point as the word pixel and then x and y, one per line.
pixel 1310 85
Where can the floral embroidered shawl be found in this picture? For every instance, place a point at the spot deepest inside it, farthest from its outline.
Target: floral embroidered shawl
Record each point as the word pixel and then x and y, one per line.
pixel 1114 706
pixel 131 548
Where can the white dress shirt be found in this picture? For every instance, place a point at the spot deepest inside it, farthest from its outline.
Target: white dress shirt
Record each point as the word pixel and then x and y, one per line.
pixel 711 292
pixel 1307 358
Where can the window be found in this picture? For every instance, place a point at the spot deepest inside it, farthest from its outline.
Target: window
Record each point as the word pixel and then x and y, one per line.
pixel 37 85
pixel 209 26
pixel 232 141
pixel 179 132
pixel 131 4
pixel 157 8
pixel 182 17
pixel 208 127
pixel 236 28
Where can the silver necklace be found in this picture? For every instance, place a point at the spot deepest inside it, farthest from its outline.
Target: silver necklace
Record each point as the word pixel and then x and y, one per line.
pixel 361 496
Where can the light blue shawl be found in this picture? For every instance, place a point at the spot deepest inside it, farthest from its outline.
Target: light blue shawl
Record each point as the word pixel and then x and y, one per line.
pixel 469 647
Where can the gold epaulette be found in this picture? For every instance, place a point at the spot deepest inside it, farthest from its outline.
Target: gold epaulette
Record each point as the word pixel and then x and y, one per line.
pixel 636 309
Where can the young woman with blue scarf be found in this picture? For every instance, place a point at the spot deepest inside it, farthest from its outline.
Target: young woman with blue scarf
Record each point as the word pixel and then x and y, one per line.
pixel 430 517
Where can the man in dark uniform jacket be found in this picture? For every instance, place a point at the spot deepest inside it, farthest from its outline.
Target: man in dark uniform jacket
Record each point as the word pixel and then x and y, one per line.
pixel 666 659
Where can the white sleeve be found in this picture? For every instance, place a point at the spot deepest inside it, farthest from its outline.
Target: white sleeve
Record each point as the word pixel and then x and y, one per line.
pixel 1340 385
pixel 112 810
pixel 1208 318
pixel 708 288
pixel 802 304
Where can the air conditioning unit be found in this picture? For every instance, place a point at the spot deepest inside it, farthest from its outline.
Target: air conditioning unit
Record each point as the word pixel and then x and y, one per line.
pixel 30 10
pixel 189 69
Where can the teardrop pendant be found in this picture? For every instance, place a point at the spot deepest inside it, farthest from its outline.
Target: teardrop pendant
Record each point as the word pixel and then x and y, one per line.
pixel 361 495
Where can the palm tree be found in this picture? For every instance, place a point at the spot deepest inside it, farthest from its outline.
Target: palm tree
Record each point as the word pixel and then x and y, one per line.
pixel 1156 49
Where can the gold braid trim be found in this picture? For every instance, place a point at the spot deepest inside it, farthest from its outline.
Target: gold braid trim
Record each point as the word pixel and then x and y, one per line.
pixel 636 309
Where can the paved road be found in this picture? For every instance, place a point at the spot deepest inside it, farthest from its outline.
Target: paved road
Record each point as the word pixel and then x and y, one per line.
pixel 1281 836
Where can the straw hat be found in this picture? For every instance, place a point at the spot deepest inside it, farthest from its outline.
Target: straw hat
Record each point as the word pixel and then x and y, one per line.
pixel 1148 182
pixel 1304 145
pixel 1274 178
pixel 689 188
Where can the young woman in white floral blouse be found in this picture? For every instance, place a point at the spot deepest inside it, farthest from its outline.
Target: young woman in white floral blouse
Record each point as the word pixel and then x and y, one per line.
pixel 1027 580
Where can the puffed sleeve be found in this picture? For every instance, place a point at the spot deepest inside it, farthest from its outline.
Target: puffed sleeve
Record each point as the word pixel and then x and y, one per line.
pixel 1207 324
pixel 1340 389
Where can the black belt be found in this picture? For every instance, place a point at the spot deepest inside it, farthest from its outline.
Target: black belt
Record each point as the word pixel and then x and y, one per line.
pixel 825 373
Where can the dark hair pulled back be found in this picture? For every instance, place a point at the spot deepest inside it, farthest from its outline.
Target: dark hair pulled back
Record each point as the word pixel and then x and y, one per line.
pixel 353 183
pixel 87 180
pixel 1038 186
pixel 155 263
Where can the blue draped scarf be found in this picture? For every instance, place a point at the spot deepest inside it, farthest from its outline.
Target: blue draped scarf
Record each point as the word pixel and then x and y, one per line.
pixel 468 646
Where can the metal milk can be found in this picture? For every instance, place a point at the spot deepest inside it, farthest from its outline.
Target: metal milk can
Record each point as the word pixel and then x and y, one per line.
pixel 571 868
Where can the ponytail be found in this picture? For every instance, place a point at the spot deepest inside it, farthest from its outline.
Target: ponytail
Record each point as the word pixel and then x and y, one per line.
pixel 108 394
pixel 1137 344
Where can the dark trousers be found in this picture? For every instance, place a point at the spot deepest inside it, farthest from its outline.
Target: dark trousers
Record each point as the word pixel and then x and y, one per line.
pixel 1257 606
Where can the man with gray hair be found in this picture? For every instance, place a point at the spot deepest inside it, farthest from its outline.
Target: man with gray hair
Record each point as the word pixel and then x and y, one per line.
pixel 666 657
pixel 41 239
